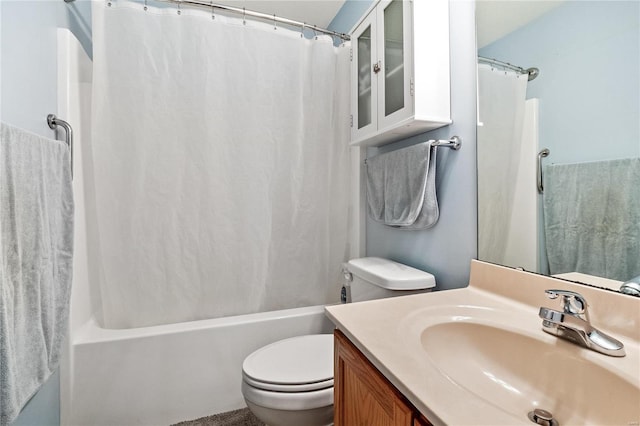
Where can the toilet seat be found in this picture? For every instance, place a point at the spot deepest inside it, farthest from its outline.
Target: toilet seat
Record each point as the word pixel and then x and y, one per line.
pixel 291 374
pixel 304 387
pixel 302 360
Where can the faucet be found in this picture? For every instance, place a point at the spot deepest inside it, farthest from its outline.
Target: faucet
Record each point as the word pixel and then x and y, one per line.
pixel 572 323
pixel 631 287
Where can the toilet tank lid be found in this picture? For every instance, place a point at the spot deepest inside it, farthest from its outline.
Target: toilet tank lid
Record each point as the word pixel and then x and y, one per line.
pixel 391 275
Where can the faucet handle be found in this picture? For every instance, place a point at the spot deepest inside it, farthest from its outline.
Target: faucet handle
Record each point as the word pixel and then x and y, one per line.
pixel 572 302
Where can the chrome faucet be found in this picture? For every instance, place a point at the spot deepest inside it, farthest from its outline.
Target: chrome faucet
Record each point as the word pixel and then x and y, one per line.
pixel 631 287
pixel 572 323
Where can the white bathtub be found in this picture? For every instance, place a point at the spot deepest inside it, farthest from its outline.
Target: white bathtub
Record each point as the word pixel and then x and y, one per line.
pixel 165 374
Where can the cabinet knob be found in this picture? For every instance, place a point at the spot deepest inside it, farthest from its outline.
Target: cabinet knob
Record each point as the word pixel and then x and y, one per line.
pixel 377 67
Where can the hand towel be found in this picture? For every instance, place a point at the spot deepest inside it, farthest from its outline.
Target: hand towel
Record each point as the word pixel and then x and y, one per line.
pixel 401 187
pixel 36 245
pixel 592 218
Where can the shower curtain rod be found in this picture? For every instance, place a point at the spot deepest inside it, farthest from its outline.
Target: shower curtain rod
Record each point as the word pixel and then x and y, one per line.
pixel 531 72
pixel 246 12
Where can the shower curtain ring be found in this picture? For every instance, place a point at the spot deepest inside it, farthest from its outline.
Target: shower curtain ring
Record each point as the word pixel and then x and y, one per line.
pixel 179 11
pixel 315 33
pixel 302 29
pixel 213 9
pixel 275 25
pixel 244 16
pixel 145 5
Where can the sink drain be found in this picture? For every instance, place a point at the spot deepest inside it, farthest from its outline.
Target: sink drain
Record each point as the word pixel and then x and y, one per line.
pixel 542 417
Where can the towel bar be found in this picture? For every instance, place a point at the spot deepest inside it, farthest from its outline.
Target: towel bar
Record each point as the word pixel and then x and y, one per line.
pixel 53 123
pixel 544 153
pixel 454 142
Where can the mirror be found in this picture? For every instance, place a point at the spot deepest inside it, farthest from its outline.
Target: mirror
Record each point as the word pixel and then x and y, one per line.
pixel 583 105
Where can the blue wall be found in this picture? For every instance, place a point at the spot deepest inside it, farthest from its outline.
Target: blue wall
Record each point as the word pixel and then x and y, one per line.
pixel 589 85
pixel 445 250
pixel 350 13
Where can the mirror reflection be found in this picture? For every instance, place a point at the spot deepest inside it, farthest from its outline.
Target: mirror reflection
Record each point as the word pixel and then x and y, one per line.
pixel 562 76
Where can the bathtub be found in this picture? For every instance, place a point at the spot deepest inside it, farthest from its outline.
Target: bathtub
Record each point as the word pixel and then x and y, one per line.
pixel 165 374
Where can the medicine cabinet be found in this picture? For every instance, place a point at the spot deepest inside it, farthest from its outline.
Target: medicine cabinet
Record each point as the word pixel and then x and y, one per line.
pixel 400 71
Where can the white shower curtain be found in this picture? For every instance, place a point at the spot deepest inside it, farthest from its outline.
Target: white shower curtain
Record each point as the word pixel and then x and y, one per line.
pixel 501 103
pixel 221 165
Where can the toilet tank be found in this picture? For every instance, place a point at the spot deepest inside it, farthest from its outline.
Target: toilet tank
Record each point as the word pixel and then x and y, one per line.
pixel 377 278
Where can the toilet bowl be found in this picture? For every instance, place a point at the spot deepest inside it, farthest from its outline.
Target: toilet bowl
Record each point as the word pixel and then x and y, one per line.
pixel 290 382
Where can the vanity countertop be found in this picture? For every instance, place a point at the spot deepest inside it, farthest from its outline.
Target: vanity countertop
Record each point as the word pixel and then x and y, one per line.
pixel 413 341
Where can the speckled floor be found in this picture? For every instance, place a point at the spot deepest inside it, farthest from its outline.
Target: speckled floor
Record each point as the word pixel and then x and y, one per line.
pixel 242 417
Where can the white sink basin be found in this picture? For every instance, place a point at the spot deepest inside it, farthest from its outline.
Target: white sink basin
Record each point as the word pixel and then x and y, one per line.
pixel 517 372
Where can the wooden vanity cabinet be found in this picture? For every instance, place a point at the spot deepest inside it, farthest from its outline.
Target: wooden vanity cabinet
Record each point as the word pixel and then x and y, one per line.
pixel 363 396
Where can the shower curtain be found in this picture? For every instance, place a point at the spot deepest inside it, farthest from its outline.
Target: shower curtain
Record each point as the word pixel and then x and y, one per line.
pixel 221 165
pixel 501 103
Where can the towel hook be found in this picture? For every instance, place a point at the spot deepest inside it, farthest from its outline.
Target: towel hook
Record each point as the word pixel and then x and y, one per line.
pixel 53 123
pixel 544 153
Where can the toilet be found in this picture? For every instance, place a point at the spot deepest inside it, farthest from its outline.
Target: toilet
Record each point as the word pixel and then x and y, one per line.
pixel 290 382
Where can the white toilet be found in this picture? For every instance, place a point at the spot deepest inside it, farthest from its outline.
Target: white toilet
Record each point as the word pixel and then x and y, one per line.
pixel 290 382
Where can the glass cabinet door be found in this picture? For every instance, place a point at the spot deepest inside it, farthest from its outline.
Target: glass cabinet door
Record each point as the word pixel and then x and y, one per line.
pixel 394 50
pixel 364 86
pixel 393 58
pixel 364 78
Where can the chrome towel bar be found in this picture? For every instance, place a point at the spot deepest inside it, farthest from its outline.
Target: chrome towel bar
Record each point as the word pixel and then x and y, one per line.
pixel 454 142
pixel 544 153
pixel 53 123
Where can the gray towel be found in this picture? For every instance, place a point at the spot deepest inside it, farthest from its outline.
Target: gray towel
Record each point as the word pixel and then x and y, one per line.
pixel 401 187
pixel 592 218
pixel 36 244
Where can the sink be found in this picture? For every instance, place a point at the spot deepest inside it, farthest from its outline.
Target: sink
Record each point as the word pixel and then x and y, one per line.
pixel 517 371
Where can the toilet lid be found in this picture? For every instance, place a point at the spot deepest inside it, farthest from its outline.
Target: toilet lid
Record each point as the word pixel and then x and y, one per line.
pixel 302 360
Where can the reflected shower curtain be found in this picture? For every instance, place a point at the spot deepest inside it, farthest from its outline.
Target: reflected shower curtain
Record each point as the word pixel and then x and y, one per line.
pixel 501 103
pixel 221 165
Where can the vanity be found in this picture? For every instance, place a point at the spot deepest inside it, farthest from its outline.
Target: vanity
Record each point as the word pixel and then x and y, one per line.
pixel 479 355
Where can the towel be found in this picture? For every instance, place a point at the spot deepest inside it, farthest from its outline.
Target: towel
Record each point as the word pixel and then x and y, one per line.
pixel 592 218
pixel 36 244
pixel 401 187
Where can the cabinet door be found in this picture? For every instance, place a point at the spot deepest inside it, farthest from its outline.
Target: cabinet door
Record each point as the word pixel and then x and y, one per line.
pixel 364 88
pixel 395 55
pixel 363 396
